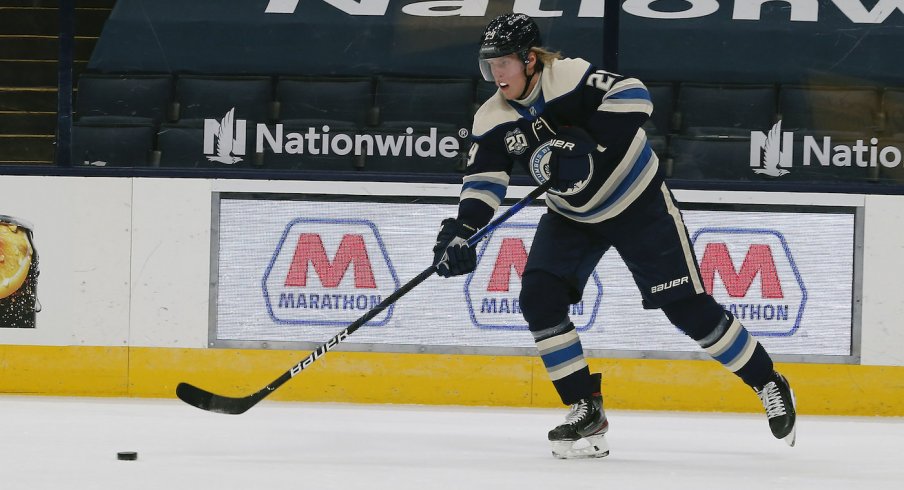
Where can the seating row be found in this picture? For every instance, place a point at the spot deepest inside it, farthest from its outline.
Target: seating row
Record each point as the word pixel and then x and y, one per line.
pixel 358 102
pixel 692 157
pixel 680 108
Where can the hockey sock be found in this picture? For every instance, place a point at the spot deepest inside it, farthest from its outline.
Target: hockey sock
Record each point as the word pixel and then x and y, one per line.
pixel 732 345
pixel 722 336
pixel 562 354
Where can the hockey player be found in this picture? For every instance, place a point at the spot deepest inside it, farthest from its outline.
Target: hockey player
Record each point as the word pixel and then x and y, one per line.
pixel 567 120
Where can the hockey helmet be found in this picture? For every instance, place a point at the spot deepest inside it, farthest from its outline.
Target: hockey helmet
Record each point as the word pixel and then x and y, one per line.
pixel 507 34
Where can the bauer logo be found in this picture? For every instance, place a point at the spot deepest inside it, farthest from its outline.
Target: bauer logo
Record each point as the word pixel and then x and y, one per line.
pixel 493 290
pixel 328 272
pixel 752 273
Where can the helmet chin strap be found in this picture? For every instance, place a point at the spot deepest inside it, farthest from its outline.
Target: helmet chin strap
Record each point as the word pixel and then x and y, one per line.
pixel 527 80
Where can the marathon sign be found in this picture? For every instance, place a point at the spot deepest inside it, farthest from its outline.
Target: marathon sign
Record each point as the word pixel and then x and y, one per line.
pixel 492 290
pixel 328 272
pixel 299 270
pixel 752 273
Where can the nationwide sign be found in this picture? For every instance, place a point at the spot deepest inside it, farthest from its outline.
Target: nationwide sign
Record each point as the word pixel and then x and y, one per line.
pixel 225 141
pixel 797 11
pixel 297 271
pixel 773 154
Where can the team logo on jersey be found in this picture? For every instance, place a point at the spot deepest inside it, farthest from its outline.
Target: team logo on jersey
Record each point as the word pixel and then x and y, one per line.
pixel 539 168
pixel 515 142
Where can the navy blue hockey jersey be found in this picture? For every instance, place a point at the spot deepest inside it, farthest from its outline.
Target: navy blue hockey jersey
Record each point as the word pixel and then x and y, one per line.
pixel 571 92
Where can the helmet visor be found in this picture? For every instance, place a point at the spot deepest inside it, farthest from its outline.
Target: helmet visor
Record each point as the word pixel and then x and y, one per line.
pixel 504 68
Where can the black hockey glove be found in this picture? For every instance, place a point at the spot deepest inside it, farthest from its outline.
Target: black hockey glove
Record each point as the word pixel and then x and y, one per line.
pixel 569 160
pixel 451 254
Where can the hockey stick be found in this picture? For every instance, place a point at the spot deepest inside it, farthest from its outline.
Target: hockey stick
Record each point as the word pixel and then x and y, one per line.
pixel 212 402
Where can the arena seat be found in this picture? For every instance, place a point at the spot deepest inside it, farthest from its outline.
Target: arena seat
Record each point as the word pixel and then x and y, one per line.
pixel 726 110
pixel 331 101
pixel 416 100
pixel 182 145
pixel 893 110
pixel 849 109
pixel 119 145
pixel 202 97
pixel 663 96
pixel 146 98
pixel 710 158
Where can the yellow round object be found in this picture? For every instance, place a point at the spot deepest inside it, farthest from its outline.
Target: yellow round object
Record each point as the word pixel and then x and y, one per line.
pixel 15 258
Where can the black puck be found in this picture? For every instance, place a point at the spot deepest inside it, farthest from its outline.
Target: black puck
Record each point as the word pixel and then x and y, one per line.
pixel 127 456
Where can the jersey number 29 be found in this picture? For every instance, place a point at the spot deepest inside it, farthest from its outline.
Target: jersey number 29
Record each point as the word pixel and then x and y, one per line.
pixel 601 79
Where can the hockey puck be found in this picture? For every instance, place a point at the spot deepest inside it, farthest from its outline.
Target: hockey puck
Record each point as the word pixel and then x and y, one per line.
pixel 127 456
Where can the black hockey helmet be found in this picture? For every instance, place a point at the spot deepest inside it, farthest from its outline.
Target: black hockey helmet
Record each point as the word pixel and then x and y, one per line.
pixel 507 34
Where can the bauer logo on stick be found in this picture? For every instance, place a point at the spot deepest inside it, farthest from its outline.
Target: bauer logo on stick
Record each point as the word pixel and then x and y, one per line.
pixel 18 274
pixel 328 272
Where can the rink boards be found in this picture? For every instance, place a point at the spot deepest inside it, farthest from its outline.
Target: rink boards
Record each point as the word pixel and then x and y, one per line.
pixel 142 286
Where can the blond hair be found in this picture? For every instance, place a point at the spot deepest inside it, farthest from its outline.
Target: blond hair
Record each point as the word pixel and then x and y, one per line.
pixel 545 56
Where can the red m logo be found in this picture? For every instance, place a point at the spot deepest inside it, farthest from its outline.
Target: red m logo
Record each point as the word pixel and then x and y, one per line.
pixel 716 258
pixel 352 250
pixel 512 254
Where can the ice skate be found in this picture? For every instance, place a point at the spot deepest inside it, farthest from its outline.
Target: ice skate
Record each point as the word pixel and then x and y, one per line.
pixel 583 433
pixel 778 400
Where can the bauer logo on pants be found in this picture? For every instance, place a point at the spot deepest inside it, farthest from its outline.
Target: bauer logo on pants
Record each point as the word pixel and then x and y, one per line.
pixel 752 273
pixel 492 290
pixel 328 272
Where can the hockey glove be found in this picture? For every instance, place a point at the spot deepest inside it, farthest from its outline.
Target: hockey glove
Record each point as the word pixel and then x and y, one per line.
pixel 451 254
pixel 569 157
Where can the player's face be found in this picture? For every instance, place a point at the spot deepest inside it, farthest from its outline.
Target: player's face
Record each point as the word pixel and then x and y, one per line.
pixel 508 73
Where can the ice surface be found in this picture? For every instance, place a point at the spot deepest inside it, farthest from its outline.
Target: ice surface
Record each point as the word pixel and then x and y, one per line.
pixel 71 443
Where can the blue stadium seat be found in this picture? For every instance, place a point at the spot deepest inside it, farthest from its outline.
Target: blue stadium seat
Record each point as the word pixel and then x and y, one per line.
pixel 118 145
pixel 446 101
pixel 204 97
pixel 145 98
pixel 893 109
pixel 829 109
pixel 332 101
pixel 182 145
pixel 726 110
pixel 710 158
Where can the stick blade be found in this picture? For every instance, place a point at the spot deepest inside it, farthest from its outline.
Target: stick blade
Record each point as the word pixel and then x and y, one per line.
pixel 211 402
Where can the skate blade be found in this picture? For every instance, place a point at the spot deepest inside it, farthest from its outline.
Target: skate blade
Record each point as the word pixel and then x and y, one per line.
pixel 791 438
pixel 588 447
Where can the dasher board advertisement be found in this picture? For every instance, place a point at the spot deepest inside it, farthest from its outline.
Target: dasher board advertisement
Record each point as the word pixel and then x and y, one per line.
pixel 291 271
